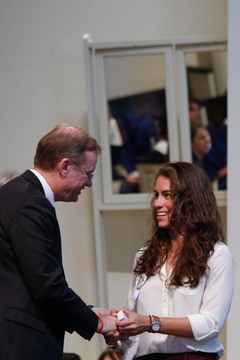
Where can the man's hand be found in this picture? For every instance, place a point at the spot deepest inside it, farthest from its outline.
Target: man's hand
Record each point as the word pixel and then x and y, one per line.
pixel 113 338
pixel 100 311
pixel 109 329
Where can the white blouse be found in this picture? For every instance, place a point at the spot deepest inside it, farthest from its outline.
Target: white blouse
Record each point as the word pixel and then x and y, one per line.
pixel 206 307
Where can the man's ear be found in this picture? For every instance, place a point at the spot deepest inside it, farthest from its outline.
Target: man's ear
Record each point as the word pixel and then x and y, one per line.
pixel 64 167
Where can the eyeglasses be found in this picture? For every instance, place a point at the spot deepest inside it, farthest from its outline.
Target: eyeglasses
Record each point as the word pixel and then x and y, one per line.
pixel 89 176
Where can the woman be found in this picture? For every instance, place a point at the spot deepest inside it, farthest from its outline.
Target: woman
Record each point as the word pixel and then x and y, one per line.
pixel 111 353
pixel 201 143
pixel 182 282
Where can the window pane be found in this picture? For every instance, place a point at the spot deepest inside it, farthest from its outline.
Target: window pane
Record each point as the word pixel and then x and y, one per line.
pixel 207 91
pixel 138 131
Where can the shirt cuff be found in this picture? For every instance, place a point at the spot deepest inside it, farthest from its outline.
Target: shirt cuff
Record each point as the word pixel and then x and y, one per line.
pixel 202 326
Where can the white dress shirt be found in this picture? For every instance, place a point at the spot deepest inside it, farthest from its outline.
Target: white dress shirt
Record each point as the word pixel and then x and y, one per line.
pixel 47 189
pixel 206 307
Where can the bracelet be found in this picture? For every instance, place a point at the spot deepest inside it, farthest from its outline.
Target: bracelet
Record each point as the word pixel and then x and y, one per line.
pixel 150 326
pixel 101 325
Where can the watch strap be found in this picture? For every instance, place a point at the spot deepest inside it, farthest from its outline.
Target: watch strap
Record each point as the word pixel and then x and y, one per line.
pixel 150 326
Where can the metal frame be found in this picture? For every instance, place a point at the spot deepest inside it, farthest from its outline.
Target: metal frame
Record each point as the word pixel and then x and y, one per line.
pixel 177 105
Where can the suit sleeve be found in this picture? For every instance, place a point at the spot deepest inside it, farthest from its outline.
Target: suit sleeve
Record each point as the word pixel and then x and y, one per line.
pixel 35 238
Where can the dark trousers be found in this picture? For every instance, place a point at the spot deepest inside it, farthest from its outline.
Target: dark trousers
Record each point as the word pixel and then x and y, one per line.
pixel 198 355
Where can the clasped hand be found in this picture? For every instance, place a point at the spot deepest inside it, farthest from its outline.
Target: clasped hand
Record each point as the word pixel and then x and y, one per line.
pixel 110 329
pixel 134 324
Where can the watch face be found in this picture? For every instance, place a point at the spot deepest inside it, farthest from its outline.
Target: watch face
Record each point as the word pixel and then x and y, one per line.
pixel 156 325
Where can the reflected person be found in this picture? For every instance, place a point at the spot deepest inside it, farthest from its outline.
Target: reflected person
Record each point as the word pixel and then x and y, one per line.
pixel 201 143
pixel 194 111
pixel 37 304
pixel 123 160
pixel 182 281
pixel 215 162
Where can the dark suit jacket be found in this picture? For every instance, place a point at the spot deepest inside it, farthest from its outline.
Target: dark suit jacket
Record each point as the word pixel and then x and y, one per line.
pixel 36 303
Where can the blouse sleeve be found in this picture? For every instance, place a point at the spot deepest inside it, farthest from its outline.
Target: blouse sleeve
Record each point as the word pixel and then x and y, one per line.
pixel 217 296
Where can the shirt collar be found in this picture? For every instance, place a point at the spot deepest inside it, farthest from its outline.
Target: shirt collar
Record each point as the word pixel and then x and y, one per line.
pixel 47 189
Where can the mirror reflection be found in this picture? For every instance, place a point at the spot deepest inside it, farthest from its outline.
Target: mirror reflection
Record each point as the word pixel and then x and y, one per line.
pixel 207 84
pixel 137 120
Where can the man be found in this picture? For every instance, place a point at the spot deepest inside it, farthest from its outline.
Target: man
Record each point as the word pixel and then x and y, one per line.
pixel 194 111
pixel 37 305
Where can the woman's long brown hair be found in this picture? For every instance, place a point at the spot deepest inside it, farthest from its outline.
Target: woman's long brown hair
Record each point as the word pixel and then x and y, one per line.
pixel 194 214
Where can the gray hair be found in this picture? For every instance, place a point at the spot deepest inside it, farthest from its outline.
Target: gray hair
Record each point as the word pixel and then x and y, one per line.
pixel 7 175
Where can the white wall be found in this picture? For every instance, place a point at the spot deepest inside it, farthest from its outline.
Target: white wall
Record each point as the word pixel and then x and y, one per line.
pixel 42 84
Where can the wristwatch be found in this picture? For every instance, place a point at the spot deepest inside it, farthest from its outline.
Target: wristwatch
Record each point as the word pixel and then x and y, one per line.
pixel 155 324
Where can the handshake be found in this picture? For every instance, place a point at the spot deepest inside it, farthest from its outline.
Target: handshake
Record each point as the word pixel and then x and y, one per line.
pixel 109 323
pixel 120 324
